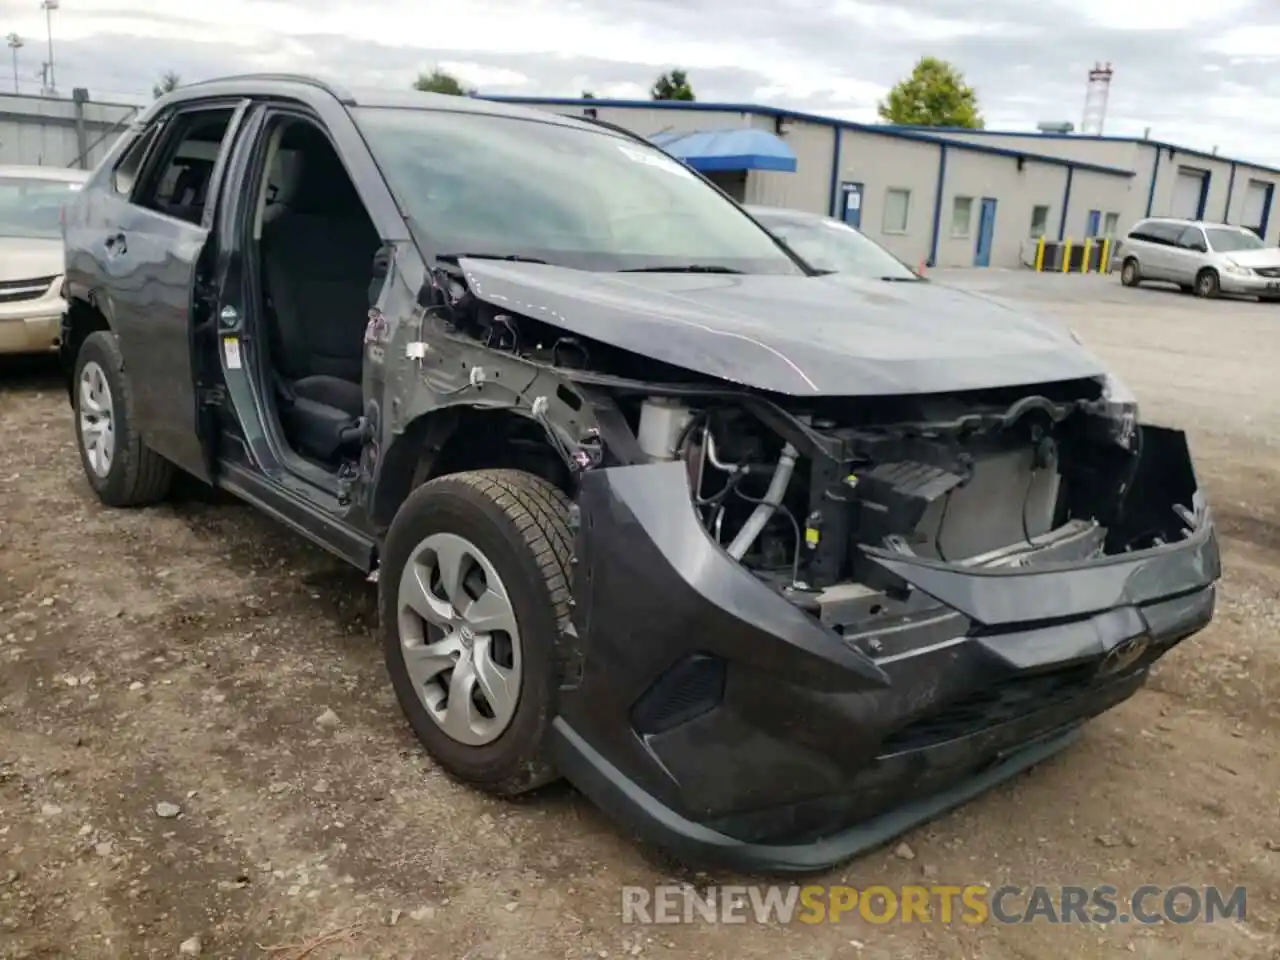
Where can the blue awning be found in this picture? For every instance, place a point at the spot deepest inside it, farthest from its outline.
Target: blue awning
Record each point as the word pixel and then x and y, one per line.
pixel 742 148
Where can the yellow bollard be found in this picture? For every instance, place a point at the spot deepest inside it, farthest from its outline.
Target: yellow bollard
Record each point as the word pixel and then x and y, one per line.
pixel 1066 256
pixel 1040 255
pixel 1084 261
pixel 1105 265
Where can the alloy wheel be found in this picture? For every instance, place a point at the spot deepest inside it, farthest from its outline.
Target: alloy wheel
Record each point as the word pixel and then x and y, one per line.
pixel 97 419
pixel 459 639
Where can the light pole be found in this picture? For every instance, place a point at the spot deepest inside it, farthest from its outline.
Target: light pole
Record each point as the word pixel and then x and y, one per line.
pixel 48 6
pixel 15 44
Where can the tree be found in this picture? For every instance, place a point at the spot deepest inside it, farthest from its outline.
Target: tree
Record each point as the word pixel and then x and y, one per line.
pixel 168 82
pixel 673 85
pixel 935 95
pixel 588 95
pixel 437 81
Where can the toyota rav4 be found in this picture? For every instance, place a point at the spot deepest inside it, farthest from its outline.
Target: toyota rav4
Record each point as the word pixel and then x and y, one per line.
pixel 770 564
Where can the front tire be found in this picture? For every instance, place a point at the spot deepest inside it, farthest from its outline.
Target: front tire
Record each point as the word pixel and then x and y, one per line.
pixel 120 468
pixel 1130 273
pixel 1207 284
pixel 473 596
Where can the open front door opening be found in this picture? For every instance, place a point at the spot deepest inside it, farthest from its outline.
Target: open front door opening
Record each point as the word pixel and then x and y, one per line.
pixel 314 246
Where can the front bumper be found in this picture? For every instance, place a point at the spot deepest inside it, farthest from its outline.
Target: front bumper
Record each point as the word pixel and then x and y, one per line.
pixel 711 715
pixel 31 326
pixel 1249 285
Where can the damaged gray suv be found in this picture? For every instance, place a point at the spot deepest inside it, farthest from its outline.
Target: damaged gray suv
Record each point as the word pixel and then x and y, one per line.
pixel 771 567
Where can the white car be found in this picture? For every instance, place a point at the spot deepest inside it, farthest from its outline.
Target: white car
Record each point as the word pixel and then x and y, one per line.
pixel 1206 259
pixel 31 255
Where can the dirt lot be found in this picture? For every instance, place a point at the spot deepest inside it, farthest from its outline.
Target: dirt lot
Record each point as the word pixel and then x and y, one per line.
pixel 197 738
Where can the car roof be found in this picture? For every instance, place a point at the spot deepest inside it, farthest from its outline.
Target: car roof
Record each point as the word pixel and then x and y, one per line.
pixel 34 172
pixel 285 84
pixel 1180 221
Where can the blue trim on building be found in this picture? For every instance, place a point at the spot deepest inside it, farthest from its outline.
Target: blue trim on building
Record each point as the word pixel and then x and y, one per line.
pixel 1036 134
pixel 882 130
pixel 837 135
pixel 1266 209
pixel 1205 179
pixel 1066 205
pixel 1231 186
pixel 937 203
pixel 1151 187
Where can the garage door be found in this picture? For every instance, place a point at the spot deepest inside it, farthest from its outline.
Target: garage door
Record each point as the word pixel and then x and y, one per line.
pixel 1187 191
pixel 1257 198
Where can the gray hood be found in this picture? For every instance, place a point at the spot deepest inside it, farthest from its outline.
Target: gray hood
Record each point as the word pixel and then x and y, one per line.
pixel 802 336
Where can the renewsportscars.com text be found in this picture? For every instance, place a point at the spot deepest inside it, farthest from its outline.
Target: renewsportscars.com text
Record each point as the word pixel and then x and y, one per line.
pixel 935 903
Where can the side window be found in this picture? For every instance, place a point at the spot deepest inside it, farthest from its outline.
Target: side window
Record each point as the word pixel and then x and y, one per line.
pixel 1192 238
pixel 961 215
pixel 1039 221
pixel 1161 234
pixel 125 175
pixel 176 183
pixel 897 206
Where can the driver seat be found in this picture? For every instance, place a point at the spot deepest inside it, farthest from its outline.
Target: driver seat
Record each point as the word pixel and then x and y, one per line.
pixel 317 265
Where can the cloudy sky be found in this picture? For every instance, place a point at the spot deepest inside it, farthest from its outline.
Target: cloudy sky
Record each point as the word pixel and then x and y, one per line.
pixel 1197 73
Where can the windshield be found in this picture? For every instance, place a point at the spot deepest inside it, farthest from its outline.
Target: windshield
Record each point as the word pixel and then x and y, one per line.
pixel 31 207
pixel 1229 241
pixel 580 198
pixel 829 244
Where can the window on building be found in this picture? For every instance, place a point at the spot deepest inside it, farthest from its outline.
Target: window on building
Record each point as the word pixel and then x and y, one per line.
pixel 897 205
pixel 961 215
pixel 1039 221
pixel 1110 224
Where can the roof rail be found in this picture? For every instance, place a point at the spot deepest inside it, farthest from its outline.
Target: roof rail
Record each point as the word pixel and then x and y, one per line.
pixel 337 92
pixel 615 127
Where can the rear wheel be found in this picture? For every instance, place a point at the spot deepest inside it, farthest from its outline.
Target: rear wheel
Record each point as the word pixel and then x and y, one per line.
pixel 1207 284
pixel 474 592
pixel 1130 273
pixel 122 470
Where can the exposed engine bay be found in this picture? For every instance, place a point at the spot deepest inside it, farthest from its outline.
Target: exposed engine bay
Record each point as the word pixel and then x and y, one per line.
pixel 958 480
pixel 796 490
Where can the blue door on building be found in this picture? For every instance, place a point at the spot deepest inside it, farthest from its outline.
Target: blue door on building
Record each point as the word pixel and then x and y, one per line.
pixel 851 204
pixel 1094 227
pixel 986 233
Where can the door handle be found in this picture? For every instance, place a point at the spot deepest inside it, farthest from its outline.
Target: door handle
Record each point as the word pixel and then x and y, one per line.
pixel 115 243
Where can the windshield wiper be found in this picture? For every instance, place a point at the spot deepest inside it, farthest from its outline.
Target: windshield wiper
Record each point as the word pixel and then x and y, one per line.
pixel 683 268
pixel 512 257
pixel 912 279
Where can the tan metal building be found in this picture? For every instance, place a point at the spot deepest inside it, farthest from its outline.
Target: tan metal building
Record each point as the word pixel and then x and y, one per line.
pixel 945 197
pixel 60 132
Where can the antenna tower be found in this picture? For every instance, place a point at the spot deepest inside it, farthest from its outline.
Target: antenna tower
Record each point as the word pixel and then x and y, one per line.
pixel 1095 99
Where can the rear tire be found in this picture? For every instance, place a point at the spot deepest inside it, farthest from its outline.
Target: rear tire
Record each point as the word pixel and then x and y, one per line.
pixel 1131 273
pixel 507 531
pixel 120 468
pixel 1207 284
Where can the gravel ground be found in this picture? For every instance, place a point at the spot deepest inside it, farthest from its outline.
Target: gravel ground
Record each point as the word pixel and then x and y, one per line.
pixel 200 753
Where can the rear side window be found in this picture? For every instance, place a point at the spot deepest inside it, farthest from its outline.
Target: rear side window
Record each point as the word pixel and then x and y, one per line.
pixel 177 179
pixel 125 175
pixel 1154 231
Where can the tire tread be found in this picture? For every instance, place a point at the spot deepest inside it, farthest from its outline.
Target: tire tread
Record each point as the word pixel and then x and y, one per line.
pixel 147 476
pixel 538 512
